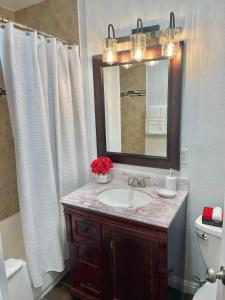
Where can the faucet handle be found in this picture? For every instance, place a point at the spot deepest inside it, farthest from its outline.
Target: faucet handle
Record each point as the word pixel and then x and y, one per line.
pixel 143 181
pixel 130 179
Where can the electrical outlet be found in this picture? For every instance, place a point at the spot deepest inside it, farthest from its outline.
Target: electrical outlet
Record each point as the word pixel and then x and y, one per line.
pixel 184 156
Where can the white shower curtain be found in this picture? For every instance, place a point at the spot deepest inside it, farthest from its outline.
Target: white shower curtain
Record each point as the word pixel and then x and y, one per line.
pixel 44 90
pixel 111 77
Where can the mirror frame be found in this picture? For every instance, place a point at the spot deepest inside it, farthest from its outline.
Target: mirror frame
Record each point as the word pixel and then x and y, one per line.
pixel 174 111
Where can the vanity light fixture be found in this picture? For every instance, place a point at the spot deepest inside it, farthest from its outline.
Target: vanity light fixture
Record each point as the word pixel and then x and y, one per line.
pixel 110 47
pixel 170 38
pixel 138 43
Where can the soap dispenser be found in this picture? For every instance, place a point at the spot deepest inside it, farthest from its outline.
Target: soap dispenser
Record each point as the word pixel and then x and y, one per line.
pixel 171 181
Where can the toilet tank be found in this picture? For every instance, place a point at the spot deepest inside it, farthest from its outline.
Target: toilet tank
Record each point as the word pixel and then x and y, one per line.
pixel 209 239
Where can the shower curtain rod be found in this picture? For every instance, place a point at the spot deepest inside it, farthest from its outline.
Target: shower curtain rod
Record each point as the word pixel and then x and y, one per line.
pixel 27 28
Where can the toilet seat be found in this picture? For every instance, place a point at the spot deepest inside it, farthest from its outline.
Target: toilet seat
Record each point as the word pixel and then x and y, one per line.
pixel 207 291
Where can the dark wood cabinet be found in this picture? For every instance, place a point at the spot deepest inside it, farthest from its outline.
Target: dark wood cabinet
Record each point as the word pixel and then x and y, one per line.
pixel 132 265
pixel 115 259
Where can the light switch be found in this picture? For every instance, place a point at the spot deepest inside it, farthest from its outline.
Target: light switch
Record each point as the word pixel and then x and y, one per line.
pixel 184 156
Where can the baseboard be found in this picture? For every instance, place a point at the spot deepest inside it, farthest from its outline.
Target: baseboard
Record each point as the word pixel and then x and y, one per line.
pixel 44 292
pixel 185 286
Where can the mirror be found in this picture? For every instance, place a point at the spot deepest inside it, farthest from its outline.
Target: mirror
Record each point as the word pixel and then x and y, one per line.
pixel 138 109
pixel 136 101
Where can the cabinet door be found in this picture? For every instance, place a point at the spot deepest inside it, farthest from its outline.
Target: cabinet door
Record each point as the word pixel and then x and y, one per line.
pixel 133 261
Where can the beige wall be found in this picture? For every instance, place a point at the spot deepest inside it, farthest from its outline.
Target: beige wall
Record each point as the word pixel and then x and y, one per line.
pixel 9 203
pixel 133 109
pixel 133 124
pixel 8 188
pixel 5 13
pixel 55 17
pixel 12 237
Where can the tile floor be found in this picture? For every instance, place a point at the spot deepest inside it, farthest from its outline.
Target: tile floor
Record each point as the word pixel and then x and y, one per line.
pixel 60 292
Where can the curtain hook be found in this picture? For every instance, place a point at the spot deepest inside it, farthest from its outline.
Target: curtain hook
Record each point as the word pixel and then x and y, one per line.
pixel 27 31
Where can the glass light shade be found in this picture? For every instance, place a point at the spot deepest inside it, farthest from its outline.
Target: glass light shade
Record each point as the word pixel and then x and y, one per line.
pixel 138 46
pixel 110 51
pixel 170 42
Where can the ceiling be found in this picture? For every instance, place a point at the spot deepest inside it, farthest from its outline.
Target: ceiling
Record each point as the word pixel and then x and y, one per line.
pixel 18 4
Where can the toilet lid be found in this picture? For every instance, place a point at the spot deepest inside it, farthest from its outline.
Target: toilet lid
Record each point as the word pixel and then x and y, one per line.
pixel 207 291
pixel 12 266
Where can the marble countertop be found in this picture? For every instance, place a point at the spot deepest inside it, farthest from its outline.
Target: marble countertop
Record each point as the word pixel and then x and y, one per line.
pixel 159 212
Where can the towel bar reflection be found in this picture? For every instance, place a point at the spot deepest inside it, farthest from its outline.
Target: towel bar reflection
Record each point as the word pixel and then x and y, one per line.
pixel 2 92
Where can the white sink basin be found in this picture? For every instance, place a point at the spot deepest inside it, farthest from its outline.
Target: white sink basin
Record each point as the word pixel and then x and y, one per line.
pixel 128 198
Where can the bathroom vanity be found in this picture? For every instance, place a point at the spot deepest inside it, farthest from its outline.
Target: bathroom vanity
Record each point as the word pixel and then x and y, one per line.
pixel 123 252
pixel 120 251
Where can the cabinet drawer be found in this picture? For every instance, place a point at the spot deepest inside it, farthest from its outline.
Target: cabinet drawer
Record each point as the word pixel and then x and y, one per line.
pixel 88 280
pixel 86 230
pixel 87 255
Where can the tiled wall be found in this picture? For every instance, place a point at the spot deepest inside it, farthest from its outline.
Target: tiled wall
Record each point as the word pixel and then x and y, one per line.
pixel 56 17
pixel 133 109
pixel 9 203
pixel 7 14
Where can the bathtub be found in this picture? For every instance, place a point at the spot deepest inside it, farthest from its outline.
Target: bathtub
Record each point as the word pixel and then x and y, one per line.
pixel 13 247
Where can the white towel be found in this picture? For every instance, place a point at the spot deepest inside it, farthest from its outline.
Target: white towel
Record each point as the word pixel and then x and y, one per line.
pixel 217 214
pixel 156 119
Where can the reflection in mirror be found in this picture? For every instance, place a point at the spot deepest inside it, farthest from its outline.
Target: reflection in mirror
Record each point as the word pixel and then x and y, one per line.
pixel 136 100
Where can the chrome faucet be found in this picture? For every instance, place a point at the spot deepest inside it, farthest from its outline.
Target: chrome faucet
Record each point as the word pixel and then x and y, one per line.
pixel 143 181
pixel 135 182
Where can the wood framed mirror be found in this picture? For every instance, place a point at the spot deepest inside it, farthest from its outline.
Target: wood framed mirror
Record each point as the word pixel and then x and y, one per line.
pixel 138 109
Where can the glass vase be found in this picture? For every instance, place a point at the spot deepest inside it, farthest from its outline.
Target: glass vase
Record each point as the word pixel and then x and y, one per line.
pixel 101 178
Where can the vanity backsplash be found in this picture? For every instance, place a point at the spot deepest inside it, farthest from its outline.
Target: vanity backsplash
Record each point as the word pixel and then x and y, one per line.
pixel 157 180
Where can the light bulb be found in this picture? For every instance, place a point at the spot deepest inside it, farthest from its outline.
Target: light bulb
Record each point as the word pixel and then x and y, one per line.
pixel 138 55
pixel 109 56
pixel 170 49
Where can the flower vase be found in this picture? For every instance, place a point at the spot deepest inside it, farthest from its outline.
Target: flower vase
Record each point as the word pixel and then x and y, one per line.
pixel 101 178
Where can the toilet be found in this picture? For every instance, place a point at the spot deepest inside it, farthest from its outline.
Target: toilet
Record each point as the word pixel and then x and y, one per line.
pixel 18 280
pixel 209 239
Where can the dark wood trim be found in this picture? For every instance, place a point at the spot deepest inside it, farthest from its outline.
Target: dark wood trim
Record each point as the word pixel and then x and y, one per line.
pixel 174 112
pixel 116 221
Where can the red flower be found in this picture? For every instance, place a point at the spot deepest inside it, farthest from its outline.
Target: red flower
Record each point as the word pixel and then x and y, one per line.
pixel 101 165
